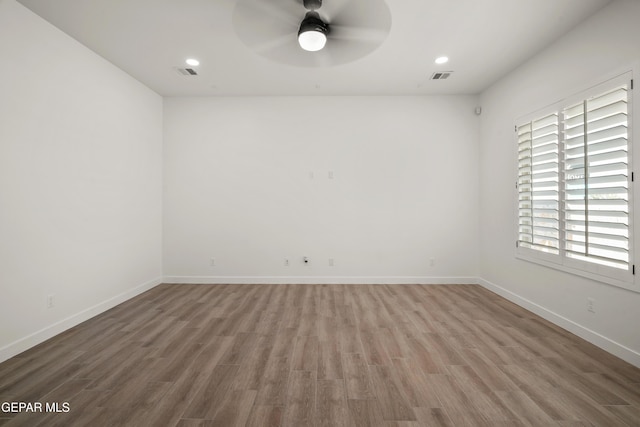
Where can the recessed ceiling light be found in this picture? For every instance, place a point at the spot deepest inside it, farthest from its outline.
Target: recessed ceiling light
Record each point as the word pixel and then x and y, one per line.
pixel 442 60
pixel 192 62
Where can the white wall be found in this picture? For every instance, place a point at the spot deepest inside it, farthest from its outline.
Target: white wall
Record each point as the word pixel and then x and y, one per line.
pixel 80 182
pixel 238 188
pixel 608 42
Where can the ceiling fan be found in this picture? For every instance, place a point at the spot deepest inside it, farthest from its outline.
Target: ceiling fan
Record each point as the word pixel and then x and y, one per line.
pixel 312 33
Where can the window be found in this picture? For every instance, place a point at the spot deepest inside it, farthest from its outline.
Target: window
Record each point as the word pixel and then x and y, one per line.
pixel 574 180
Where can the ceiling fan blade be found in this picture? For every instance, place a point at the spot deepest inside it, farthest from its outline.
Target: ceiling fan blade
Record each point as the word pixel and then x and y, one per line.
pixel 261 14
pixel 347 32
pixel 343 51
pixel 290 53
pixel 324 59
pixel 358 13
pixel 277 43
pixel 332 9
pixel 257 22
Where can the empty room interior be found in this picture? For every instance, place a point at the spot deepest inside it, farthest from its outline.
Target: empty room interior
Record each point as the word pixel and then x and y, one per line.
pixel 319 213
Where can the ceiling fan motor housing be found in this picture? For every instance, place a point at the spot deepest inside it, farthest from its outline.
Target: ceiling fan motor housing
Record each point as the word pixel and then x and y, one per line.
pixel 312 4
pixel 313 22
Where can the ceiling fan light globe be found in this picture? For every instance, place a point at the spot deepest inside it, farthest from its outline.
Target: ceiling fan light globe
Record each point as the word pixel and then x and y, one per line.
pixel 312 40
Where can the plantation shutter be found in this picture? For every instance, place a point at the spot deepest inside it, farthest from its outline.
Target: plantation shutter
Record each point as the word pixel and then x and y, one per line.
pixel 538 185
pixel 596 179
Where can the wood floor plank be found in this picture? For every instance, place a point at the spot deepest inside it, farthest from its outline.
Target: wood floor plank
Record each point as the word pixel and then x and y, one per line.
pixel 546 396
pixel 171 407
pixel 305 354
pixel 252 370
pixel 413 383
pixel 427 360
pixel 136 409
pixel 393 403
pixel 329 360
pixel 481 396
pixel 350 339
pixel 171 368
pixel 301 399
pixel 213 394
pixel 436 417
pixel 374 349
pixel 331 404
pixel 452 397
pixel 626 413
pixel 265 416
pixel 365 413
pixel 357 379
pixel 242 347
pixel 490 374
pixel 235 410
pixel 525 408
pixel 321 355
pixel 273 387
pixel 583 382
pixel 284 343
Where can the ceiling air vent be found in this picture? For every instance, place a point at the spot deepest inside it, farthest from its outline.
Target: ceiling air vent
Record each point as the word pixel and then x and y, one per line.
pixel 441 75
pixel 186 71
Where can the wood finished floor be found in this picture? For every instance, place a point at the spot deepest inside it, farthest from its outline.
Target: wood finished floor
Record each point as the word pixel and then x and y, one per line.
pixel 321 355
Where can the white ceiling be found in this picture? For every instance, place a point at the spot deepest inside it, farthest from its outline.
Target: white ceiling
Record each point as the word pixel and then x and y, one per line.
pixel 484 40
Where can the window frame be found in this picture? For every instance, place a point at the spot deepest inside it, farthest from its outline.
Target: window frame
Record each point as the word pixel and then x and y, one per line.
pixel 610 275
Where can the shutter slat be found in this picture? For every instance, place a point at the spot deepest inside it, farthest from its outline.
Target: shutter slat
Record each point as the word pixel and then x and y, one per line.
pixel 546 158
pixel 606 134
pixel 573 111
pixel 608 169
pixel 607 122
pixel 608 98
pixel 618 156
pixel 574 122
pixel 618 107
pixel 606 181
pixel 545 140
pixel 538 185
pixel 594 205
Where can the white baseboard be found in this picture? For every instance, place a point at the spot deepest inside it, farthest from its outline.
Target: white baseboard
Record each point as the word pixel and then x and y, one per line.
pixel 50 331
pixel 321 280
pixel 587 334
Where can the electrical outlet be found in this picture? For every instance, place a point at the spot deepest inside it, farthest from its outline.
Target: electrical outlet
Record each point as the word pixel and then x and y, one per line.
pixel 305 260
pixel 330 262
pixel 432 262
pixel 286 262
pixel 591 305
pixel 212 262
pixel 49 301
